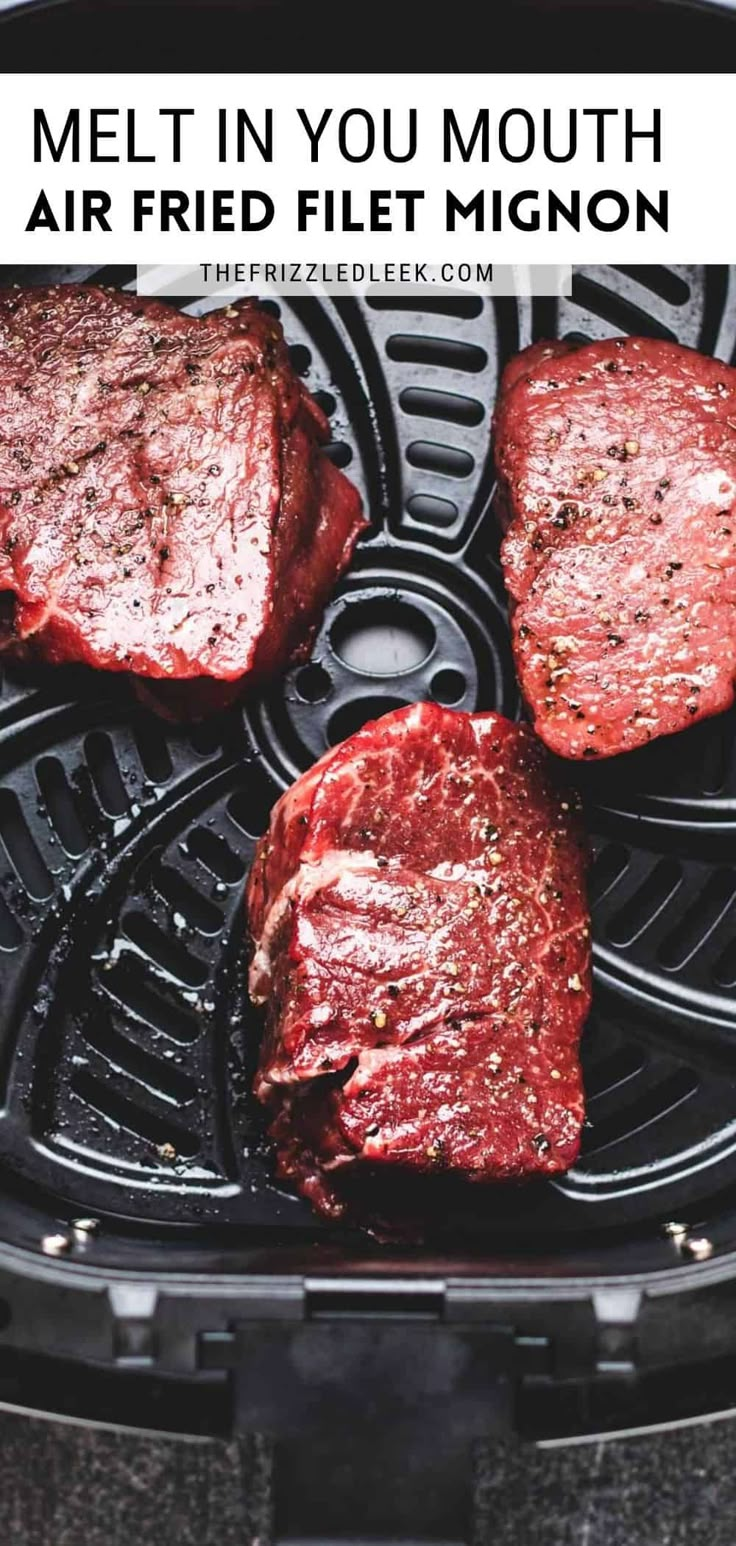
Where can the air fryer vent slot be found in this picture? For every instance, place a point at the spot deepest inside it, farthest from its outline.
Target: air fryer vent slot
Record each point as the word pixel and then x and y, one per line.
pixel 450 461
pixel 190 907
pixel 61 806
pixel 129 1116
pixel 430 510
pixel 165 951
pixel 446 305
pixel 216 855
pixel 127 983
pixel 644 906
pixel 699 920
pixel 623 315
pixel 105 772
pixel 428 403
pixel 153 751
pixel 663 282
pixel 11 933
pixel 441 353
pixel 21 849
pixel 650 1107
pixel 164 1081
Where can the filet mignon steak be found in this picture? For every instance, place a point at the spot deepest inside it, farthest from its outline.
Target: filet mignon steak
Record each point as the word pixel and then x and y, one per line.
pixel 421 940
pixel 617 469
pixel 165 505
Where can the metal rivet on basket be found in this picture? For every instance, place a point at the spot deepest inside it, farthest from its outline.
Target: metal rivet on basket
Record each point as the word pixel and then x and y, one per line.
pixel 83 1228
pixel 700 1249
pixel 55 1245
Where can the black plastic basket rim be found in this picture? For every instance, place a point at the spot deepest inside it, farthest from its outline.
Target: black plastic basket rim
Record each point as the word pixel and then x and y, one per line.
pixel 12 9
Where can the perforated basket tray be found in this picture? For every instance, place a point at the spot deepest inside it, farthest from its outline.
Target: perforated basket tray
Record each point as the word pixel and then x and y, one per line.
pixel 124 1027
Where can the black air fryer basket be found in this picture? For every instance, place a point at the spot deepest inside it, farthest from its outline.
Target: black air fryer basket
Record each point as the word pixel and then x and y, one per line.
pixel 151 1271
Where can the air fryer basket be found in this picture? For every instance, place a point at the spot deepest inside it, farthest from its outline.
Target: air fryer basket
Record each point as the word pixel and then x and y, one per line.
pixel 126 1042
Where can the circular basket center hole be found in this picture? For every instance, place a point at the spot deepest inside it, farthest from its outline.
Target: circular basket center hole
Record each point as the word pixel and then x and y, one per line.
pixel 448 686
pixel 351 717
pixel 382 637
pixel 313 683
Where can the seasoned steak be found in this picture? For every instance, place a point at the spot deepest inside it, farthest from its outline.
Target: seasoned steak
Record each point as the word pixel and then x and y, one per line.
pixel 421 941
pixel 617 469
pixel 165 505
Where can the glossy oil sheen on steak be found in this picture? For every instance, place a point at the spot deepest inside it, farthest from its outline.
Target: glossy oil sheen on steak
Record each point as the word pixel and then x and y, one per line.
pixel 165 505
pixel 617 468
pixel 421 941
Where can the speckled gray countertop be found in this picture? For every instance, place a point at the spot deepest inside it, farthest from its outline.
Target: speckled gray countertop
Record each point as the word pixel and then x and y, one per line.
pixel 69 1486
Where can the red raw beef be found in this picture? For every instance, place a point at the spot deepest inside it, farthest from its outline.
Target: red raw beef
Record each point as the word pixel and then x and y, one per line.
pixel 617 469
pixel 421 940
pixel 165 505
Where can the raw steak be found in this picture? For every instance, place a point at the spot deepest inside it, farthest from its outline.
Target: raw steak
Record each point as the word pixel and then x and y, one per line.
pixel 421 940
pixel 617 468
pixel 165 507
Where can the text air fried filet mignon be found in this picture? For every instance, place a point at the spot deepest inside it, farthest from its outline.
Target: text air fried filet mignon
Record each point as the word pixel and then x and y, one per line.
pixel 617 468
pixel 165 505
pixel 421 940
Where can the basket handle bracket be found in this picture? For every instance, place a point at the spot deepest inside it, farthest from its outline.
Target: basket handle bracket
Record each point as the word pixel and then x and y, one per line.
pixel 374 1408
